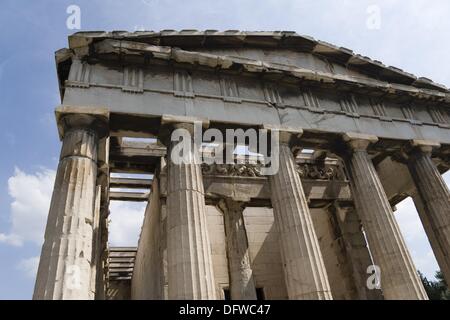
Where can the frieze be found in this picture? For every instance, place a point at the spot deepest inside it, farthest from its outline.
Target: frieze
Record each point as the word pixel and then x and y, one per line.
pixel 322 171
pixel 233 170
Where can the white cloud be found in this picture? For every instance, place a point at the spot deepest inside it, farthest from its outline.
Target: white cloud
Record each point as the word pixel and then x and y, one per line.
pixel 425 261
pixel 29 266
pixel 31 194
pixel 447 178
pixel 409 221
pixel 12 239
pixel 126 222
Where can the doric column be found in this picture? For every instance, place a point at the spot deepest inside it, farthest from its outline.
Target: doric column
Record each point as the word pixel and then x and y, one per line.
pixel 101 230
pixel 434 203
pixel 399 278
pixel 190 273
pixel 242 286
pixel 65 265
pixel 304 270
pixel 352 244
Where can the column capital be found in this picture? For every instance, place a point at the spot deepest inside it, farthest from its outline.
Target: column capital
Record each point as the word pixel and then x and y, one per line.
pixel 73 117
pixel 358 141
pixel 230 204
pixel 423 146
pixel 185 122
pixel 170 123
pixel 287 135
pixel 414 148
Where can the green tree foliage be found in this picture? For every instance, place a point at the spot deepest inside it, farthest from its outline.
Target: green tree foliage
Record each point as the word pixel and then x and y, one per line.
pixel 436 290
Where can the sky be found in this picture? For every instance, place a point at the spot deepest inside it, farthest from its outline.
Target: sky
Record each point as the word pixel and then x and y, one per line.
pixel 409 34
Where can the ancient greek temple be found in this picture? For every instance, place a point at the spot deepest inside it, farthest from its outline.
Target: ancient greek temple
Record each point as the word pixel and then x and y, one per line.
pixel 356 137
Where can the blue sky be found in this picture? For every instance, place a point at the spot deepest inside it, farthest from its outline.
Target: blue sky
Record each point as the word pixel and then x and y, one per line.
pixel 412 35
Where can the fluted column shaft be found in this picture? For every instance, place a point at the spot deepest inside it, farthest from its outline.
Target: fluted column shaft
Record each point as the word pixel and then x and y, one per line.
pixel 304 269
pixel 190 273
pixel 242 286
pixel 65 265
pixel 357 252
pixel 399 278
pixel 435 199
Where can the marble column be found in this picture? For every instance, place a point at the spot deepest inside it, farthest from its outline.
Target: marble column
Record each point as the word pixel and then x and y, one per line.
pixel 432 201
pixel 356 253
pixel 399 278
pixel 96 246
pixel 304 270
pixel 242 286
pixel 65 265
pixel 190 273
